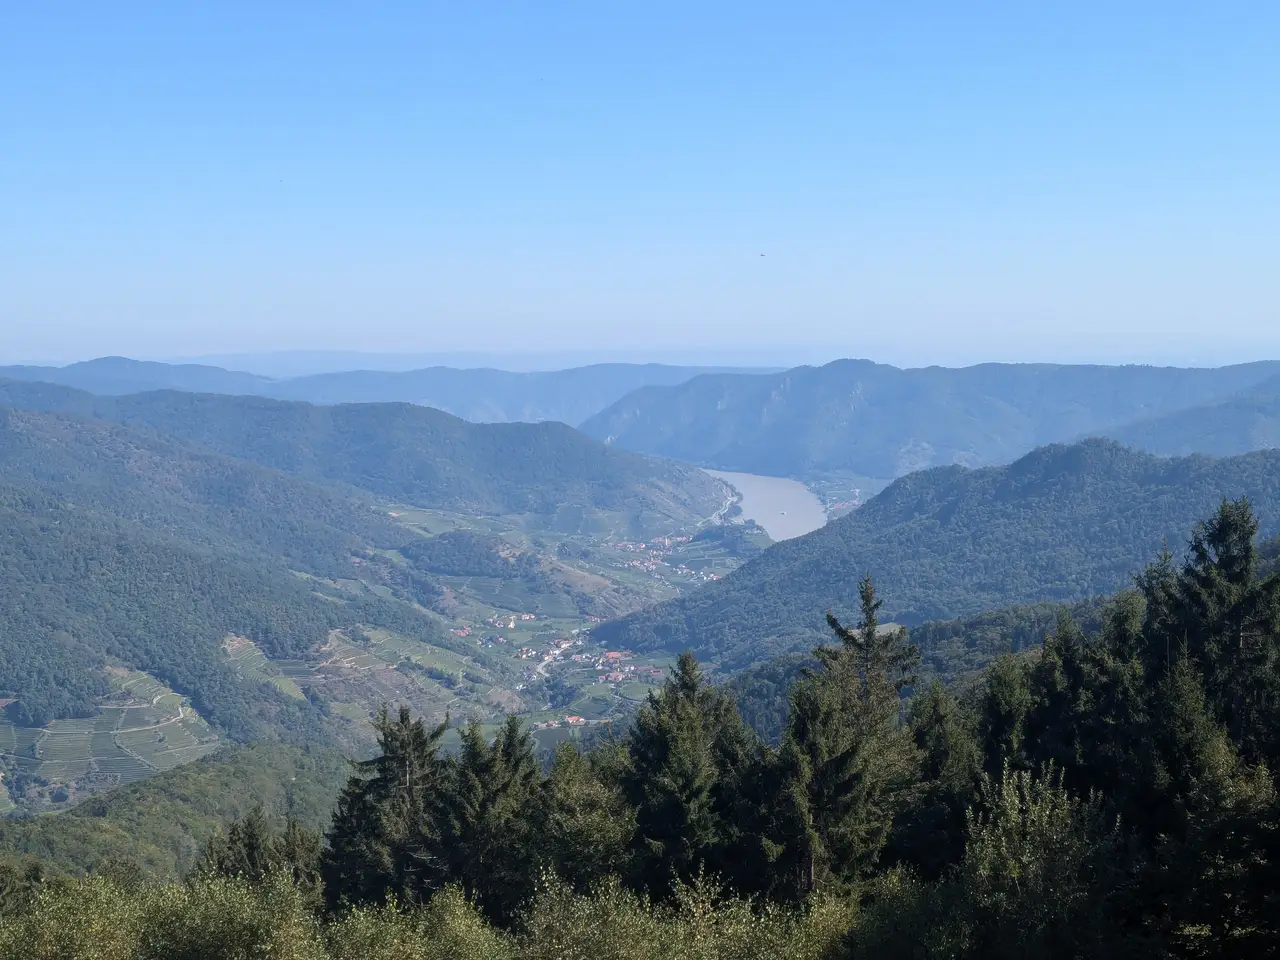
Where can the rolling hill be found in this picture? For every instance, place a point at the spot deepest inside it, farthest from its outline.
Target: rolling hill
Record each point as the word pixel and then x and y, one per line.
pixel 479 395
pixel 1060 524
pixel 161 824
pixel 883 422
pixel 417 455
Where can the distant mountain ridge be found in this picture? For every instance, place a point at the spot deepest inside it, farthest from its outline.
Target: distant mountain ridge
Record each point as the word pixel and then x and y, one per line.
pixel 480 395
pixel 415 454
pixel 881 421
pixel 1060 524
pixel 1249 420
pixel 490 396
pixel 111 376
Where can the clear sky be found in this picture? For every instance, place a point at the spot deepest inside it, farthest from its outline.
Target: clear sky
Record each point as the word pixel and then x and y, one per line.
pixel 912 182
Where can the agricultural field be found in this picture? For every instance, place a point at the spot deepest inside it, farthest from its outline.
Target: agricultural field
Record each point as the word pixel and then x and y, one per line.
pixel 144 730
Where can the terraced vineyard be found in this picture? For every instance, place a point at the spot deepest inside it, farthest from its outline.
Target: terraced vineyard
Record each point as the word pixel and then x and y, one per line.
pixel 148 730
pixel 252 663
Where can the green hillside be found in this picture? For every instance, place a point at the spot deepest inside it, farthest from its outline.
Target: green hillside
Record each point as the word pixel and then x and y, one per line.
pixel 1061 524
pixel 195 495
pixel 161 824
pixel 879 421
pixel 415 454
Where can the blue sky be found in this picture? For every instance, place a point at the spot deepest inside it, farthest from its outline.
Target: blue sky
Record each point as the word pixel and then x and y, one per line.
pixel 927 183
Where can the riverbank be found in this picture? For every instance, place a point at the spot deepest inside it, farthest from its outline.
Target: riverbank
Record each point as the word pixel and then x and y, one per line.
pixel 784 508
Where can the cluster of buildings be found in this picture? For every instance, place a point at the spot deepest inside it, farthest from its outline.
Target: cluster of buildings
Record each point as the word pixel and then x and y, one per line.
pixel 568 720
pixel 509 620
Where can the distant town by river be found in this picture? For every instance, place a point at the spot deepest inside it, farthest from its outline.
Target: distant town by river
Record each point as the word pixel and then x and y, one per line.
pixel 785 508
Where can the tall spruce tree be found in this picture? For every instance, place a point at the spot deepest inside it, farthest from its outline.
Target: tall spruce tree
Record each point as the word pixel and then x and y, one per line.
pixel 686 755
pixel 488 815
pixel 847 757
pixel 388 812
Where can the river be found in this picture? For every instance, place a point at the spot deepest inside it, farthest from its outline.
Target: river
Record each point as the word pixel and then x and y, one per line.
pixel 785 508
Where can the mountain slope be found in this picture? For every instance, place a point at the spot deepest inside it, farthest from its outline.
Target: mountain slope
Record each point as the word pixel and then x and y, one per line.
pixel 880 421
pixel 1062 523
pixel 201 497
pixel 414 454
pixel 161 824
pixel 122 549
pixel 1249 421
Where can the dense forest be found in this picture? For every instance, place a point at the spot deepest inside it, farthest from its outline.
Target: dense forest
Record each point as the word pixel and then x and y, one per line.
pixel 83 588
pixel 202 497
pixel 1110 795
pixel 880 421
pixel 1062 524
pixel 125 548
pixel 414 454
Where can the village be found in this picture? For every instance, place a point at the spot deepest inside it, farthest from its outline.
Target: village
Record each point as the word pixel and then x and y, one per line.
pixel 554 647
pixel 656 559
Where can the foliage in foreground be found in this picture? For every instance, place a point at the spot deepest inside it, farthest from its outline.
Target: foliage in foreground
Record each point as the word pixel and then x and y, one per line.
pixel 230 919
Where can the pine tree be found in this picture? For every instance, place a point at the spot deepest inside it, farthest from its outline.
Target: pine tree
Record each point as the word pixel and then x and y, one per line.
pixel 848 758
pixel 1004 701
pixel 686 754
pixel 388 812
pixel 489 815
pixel 1231 625
pixel 929 835
pixel 252 851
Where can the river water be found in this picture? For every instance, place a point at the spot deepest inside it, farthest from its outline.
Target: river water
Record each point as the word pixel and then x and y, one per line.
pixel 785 508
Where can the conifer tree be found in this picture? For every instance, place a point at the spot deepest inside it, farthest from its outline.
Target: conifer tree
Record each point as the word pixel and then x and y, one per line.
pixel 587 824
pixel 929 835
pixel 251 851
pixel 386 814
pixel 488 816
pixel 849 759
pixel 685 755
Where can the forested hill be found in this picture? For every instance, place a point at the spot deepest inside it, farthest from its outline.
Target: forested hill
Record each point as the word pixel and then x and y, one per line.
pixel 1247 421
pixel 414 454
pixel 198 496
pixel 1060 524
pixel 881 421
pixel 126 550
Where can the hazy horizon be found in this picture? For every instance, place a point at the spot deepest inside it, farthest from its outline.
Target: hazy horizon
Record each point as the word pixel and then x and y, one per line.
pixel 297 363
